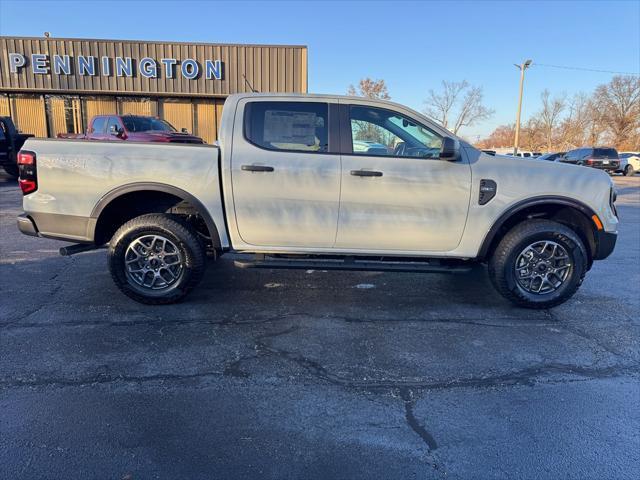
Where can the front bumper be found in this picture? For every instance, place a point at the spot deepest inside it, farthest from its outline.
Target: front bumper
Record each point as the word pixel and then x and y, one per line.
pixel 27 226
pixel 605 243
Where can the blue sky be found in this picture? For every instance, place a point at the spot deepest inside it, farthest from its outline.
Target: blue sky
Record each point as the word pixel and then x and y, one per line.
pixel 412 45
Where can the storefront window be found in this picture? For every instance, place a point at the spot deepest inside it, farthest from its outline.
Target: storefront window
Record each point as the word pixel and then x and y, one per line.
pixel 64 115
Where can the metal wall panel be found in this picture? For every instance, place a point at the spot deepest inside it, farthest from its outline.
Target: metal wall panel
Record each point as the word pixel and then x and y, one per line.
pixel 206 115
pixel 137 106
pixel 279 68
pixel 178 113
pixel 99 106
pixel 4 106
pixel 29 114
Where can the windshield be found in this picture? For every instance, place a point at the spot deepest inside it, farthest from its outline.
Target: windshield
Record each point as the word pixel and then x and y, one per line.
pixel 145 124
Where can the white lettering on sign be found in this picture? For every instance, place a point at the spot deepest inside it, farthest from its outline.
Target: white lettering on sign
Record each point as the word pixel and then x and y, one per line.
pixel 45 64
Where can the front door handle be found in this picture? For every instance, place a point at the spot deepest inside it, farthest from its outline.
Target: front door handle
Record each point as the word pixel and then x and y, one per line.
pixel 256 168
pixel 366 173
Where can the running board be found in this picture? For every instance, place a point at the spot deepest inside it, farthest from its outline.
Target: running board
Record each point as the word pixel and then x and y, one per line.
pixel 351 263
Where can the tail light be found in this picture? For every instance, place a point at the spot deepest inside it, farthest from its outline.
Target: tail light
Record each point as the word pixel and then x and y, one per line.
pixel 589 161
pixel 28 172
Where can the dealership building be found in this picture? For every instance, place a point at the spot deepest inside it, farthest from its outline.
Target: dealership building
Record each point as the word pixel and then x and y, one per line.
pixel 55 85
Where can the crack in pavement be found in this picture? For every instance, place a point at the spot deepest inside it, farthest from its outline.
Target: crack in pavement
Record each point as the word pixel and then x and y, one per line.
pixel 409 403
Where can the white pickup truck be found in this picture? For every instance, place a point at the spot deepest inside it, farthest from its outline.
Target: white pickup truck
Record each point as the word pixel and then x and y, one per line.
pixel 324 182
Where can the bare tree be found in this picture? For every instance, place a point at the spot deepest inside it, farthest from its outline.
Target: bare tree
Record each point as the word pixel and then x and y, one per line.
pixel 457 100
pixel 365 130
pixel 370 88
pixel 549 117
pixel 618 103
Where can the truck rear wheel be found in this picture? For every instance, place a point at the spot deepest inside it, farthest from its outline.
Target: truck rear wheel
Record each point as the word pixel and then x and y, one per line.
pixel 538 264
pixel 156 259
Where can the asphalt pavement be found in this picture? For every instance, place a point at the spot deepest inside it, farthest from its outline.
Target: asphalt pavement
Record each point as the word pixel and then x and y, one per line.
pixel 315 375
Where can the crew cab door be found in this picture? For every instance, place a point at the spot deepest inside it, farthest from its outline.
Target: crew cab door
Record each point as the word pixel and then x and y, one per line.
pixel 285 173
pixel 397 194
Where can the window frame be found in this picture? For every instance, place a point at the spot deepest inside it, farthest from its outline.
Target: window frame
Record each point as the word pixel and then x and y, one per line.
pixel 333 139
pixel 347 134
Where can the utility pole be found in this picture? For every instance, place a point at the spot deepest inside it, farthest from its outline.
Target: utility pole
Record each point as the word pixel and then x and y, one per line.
pixel 522 67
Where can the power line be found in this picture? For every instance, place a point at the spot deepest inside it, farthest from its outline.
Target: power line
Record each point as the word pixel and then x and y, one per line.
pixel 582 68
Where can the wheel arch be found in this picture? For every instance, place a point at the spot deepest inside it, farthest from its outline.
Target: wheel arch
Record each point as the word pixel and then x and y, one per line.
pixel 151 188
pixel 568 211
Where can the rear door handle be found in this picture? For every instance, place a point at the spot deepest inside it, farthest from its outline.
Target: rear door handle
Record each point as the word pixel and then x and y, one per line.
pixel 366 173
pixel 256 168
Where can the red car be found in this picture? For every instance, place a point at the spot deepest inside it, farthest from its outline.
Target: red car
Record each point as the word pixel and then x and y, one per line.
pixel 133 128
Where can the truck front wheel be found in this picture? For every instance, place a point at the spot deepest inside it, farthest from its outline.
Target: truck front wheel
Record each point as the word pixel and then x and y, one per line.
pixel 538 264
pixel 156 259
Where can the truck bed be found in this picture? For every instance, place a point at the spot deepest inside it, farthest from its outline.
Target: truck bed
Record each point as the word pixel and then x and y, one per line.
pixel 75 177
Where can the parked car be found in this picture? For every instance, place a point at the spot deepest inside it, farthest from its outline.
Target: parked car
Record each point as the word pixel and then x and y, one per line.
pixel 134 128
pixel 11 140
pixel 629 163
pixel 551 157
pixel 603 158
pixel 489 152
pixel 524 154
pixel 286 184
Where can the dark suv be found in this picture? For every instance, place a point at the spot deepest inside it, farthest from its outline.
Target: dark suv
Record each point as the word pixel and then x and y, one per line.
pixel 602 158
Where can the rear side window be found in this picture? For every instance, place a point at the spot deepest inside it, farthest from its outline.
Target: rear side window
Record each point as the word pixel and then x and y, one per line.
pixel 605 153
pixel 293 126
pixel 98 125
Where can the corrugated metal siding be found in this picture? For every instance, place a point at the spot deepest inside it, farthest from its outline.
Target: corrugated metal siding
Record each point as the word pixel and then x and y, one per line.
pixel 4 106
pixel 99 106
pixel 178 113
pixel 135 106
pixel 267 68
pixel 206 115
pixel 29 114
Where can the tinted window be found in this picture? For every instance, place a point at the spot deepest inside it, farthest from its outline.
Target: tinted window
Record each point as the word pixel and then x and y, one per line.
pixel 98 124
pixel 146 124
pixel 376 131
pixel 299 126
pixel 605 153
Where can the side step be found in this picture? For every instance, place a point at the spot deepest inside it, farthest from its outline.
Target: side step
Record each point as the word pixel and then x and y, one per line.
pixel 352 263
pixel 78 248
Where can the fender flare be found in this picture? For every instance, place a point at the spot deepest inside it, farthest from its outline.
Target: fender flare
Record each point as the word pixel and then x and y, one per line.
pixel 158 187
pixel 531 202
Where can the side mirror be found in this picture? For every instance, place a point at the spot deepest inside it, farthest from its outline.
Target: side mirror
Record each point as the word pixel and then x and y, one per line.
pixel 116 131
pixel 184 130
pixel 450 150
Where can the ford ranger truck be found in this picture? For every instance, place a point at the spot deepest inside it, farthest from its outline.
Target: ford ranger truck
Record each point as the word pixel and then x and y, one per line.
pixel 323 182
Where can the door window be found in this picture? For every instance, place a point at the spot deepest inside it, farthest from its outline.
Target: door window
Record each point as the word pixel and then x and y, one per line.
pixel 113 125
pixel 294 126
pixel 98 125
pixel 377 131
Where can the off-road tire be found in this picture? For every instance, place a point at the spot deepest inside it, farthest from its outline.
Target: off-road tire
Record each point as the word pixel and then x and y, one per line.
pixel 502 263
pixel 181 234
pixel 629 171
pixel 12 170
